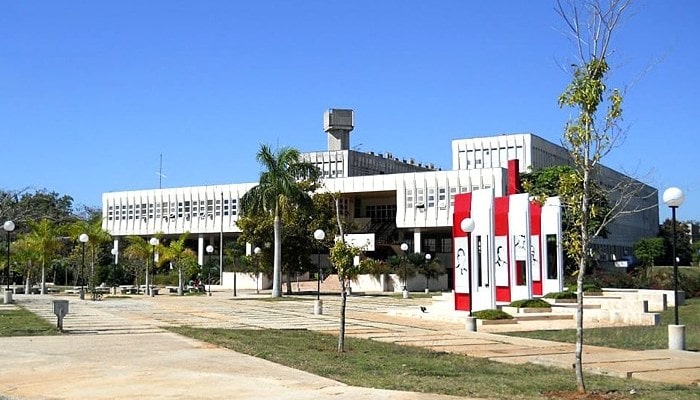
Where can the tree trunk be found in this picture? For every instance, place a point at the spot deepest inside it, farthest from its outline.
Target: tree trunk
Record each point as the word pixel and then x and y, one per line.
pixel 277 265
pixel 180 292
pixel 578 364
pixel 289 282
pixel 43 279
pixel 343 301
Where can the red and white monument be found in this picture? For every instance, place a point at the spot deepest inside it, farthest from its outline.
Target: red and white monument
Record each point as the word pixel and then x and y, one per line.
pixel 505 248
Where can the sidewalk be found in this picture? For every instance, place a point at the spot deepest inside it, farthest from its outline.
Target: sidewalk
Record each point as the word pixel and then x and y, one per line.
pixel 119 347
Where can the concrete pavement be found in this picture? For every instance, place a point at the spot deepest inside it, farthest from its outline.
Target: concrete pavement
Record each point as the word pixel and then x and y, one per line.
pixel 119 347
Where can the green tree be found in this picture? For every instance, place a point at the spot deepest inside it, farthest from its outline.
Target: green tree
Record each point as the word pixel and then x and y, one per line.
pixel 684 249
pixel 178 254
pixel 647 250
pixel 99 241
pixel 277 188
pixel 592 134
pixel 552 181
pixel 44 239
pixel 138 250
pixel 342 256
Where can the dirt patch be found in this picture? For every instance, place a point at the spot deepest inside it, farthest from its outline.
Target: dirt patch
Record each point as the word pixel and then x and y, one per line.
pixel 591 395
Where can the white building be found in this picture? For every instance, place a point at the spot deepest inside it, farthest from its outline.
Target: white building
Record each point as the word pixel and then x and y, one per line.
pixel 395 200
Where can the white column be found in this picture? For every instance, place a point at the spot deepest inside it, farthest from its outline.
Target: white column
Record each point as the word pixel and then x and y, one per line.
pixel 416 242
pixel 200 249
pixel 116 254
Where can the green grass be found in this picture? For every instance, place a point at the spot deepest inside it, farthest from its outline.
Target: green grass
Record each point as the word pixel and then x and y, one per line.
pixel 20 322
pixel 633 337
pixel 374 364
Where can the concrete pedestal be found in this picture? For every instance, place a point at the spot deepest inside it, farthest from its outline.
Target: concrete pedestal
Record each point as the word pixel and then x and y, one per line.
pixel 405 294
pixel 676 337
pixel 318 307
pixel 8 297
pixel 470 324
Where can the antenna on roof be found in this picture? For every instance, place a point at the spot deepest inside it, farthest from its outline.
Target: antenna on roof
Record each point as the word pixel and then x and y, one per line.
pixel 160 172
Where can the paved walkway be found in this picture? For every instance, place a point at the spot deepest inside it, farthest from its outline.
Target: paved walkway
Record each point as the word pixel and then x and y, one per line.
pixel 121 348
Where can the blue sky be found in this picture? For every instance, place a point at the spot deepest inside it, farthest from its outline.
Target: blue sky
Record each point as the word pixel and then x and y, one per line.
pixel 92 92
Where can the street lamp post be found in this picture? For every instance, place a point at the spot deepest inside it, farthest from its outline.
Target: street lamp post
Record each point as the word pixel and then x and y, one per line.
pixel 404 248
pixel 674 197
pixel 83 238
pixel 8 226
pixel 256 252
pixel 115 253
pixel 210 249
pixel 319 235
pixel 149 290
pixel 428 257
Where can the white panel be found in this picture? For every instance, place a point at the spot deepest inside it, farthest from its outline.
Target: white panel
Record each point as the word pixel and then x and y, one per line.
pixel 461 265
pixel 501 260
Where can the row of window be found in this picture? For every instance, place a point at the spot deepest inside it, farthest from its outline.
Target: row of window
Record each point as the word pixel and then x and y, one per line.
pixel 169 211
pixel 420 200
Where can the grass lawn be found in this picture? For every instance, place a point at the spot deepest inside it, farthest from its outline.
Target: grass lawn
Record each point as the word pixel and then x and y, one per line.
pixel 375 364
pixel 633 337
pixel 20 322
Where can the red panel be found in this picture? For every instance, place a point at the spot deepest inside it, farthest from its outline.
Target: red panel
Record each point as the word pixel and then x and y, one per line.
pixel 501 205
pixel 514 177
pixel 536 229
pixel 463 302
pixel 503 293
pixel 537 288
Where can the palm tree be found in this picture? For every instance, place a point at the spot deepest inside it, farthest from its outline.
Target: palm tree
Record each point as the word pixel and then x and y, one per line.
pixel 138 248
pixel 44 239
pixel 177 253
pixel 97 239
pixel 278 187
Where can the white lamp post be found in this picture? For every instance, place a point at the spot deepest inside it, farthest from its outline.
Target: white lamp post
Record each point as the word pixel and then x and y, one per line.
pixel 319 235
pixel 210 249
pixel 149 290
pixel 83 238
pixel 404 248
pixel 8 226
pixel 257 251
pixel 428 257
pixel 674 197
pixel 115 254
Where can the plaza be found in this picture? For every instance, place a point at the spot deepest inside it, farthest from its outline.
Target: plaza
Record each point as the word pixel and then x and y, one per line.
pixel 119 349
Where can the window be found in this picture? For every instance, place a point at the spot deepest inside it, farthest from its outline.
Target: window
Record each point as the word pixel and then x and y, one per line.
pixel 552 266
pixel 409 198
pixel 431 198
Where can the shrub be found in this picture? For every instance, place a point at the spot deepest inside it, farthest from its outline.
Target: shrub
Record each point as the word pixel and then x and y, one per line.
pixel 530 303
pixel 491 314
pixel 561 295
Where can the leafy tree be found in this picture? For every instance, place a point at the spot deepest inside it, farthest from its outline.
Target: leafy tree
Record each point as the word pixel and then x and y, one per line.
pixel 99 242
pixel 26 259
pixel 138 250
pixel 647 250
pixel 684 249
pixel 177 253
pixel 592 134
pixel 25 205
pixel 552 181
pixel 342 256
pixel 279 187
pixel 44 240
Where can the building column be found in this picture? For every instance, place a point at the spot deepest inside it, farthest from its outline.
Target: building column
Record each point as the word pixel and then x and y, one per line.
pixel 416 242
pixel 200 249
pixel 116 251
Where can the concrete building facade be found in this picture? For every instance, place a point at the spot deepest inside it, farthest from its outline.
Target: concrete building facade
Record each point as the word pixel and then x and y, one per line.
pixel 392 200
